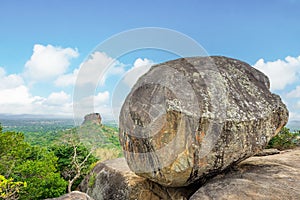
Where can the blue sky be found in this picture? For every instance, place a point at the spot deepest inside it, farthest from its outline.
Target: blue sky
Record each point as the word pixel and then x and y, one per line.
pixel 263 33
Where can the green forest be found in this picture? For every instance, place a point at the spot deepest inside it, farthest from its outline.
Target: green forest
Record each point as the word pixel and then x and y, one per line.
pixel 49 163
pixel 41 163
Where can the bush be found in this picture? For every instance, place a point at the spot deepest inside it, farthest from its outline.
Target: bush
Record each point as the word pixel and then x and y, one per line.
pixel 285 140
pixel 22 163
pixel 10 189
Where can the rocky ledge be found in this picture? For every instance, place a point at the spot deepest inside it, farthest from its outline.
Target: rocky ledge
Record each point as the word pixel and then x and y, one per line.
pixel 256 178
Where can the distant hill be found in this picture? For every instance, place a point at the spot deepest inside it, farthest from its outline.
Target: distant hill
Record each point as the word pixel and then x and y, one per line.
pixel 31 116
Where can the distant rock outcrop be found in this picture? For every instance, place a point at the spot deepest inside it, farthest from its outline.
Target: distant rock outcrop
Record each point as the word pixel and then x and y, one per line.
pixel 189 119
pixel 93 118
pixel 257 178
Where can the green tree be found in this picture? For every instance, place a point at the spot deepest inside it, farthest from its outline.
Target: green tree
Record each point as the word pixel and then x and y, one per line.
pixel 9 189
pixel 74 161
pixel 34 165
pixel 42 177
pixel 285 139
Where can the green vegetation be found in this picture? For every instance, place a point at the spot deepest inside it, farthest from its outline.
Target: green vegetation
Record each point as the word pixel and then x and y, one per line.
pixel 285 139
pixel 40 132
pixel 10 189
pixel 74 161
pixel 34 166
pixel 104 140
pixel 92 180
pixel 38 165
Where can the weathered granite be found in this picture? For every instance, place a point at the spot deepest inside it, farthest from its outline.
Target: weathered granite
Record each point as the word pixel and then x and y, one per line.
pixel 112 179
pixel 274 177
pixel 189 119
pixel 75 195
pixel 267 152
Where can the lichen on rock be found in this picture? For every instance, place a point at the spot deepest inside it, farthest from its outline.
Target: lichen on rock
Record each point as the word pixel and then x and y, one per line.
pixel 190 118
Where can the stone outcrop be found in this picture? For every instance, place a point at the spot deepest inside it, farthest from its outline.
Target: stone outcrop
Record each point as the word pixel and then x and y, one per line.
pixel 93 118
pixel 189 119
pixel 75 195
pixel 112 179
pixel 272 177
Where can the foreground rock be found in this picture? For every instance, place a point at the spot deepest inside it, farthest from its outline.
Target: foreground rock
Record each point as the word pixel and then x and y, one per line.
pixel 113 179
pixel 189 119
pixel 257 178
pixel 75 195
pixel 267 152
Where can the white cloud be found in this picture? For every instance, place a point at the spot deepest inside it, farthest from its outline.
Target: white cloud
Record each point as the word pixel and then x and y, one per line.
pixel 15 96
pixel 140 67
pixel 294 116
pixel 9 81
pixel 2 72
pixel 294 93
pixel 67 79
pixel 101 105
pixel 58 98
pixel 298 105
pixel 101 98
pixel 18 95
pixel 47 62
pixel 95 69
pixel 280 72
pixel 19 100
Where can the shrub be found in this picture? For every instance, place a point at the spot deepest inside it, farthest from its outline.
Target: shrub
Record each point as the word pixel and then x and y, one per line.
pixel 285 139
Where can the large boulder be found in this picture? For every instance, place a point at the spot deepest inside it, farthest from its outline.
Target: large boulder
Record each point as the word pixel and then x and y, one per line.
pixel 188 119
pixel 257 178
pixel 112 179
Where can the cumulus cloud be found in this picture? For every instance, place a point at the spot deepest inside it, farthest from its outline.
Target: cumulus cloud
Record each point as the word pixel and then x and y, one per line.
pixel 58 98
pixel 19 100
pixel 281 72
pixel 140 67
pixel 18 95
pixel 67 79
pixel 92 71
pixel 48 62
pixel 9 81
pixel 101 98
pixel 294 93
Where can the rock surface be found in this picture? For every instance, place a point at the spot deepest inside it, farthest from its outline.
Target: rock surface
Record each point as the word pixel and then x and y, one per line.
pixel 267 152
pixel 189 119
pixel 272 177
pixel 94 118
pixel 113 179
pixel 75 195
